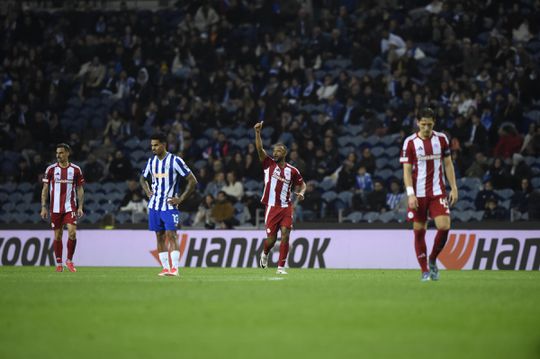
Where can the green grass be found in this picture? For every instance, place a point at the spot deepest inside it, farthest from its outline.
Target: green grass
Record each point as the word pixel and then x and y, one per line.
pixel 249 313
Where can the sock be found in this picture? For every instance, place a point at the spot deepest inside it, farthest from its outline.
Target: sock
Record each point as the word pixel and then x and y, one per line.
pixel 164 258
pixel 71 244
pixel 175 257
pixel 438 245
pixel 268 246
pixel 420 247
pixel 57 246
pixel 283 251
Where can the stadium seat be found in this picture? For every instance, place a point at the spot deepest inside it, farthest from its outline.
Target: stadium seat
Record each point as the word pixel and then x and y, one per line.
pixel 505 194
pixel 384 174
pixel 382 162
pixel 132 143
pixel 346 197
pixel 344 141
pixel 389 216
pixel 353 217
pixel 393 151
pixel 371 217
pixel 344 151
pixel 463 205
pixel 329 196
pixel 536 182
pixel 327 184
pixel 354 129
pixel 24 187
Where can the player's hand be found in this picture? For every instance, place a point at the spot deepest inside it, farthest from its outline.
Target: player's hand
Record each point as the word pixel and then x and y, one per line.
pixel 299 195
pixel 175 201
pixel 413 202
pixel 454 195
pixel 258 126
pixel 80 212
pixel 149 193
pixel 44 213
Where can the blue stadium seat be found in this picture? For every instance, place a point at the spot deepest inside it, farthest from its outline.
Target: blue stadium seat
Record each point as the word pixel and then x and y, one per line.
pixel 371 217
pixel 505 194
pixel 353 217
pixel 327 184
pixel 389 216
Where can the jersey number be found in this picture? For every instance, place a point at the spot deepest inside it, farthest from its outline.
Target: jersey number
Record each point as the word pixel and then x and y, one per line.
pixel 176 218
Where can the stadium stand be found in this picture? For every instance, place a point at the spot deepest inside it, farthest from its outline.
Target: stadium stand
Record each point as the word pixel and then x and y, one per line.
pixel 327 80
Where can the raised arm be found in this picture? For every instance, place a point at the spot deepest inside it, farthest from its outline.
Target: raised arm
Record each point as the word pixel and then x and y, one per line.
pixel 258 142
pixel 190 188
pixel 407 180
pixel 451 176
pixel 44 197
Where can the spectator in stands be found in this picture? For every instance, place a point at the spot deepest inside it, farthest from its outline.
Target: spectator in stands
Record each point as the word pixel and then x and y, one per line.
pixel 479 167
pixel 368 160
pixel 93 170
pixel 519 171
pixel 531 143
pixel 252 168
pixel 346 177
pixel 477 140
pixel 484 194
pixel 233 187
pixel 216 185
pixel 203 217
pixel 223 212
pixel 509 142
pixel 119 167
pixel 520 198
pixel 133 191
pixel 395 196
pixel 499 174
pixel 137 204
pixel 376 199
pixel 493 211
pixel 311 205
pixel 236 164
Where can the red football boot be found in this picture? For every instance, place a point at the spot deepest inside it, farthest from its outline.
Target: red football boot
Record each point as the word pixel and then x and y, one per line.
pixel 71 266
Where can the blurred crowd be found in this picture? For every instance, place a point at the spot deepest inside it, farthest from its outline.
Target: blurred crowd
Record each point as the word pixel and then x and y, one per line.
pixel 226 64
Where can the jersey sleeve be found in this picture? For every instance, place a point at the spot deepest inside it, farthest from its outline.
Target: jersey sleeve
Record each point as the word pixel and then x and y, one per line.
pixel 181 167
pixel 407 152
pixel 267 162
pixel 147 170
pixel 48 175
pixel 298 180
pixel 79 180
pixel 445 146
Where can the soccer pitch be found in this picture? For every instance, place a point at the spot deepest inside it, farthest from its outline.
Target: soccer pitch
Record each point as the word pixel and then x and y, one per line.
pixel 252 313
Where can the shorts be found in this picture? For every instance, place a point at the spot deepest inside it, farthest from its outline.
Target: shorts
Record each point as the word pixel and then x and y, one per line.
pixel 163 220
pixel 436 206
pixel 277 217
pixel 58 220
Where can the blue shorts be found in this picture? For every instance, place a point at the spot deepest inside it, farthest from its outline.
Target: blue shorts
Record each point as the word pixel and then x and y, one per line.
pixel 163 220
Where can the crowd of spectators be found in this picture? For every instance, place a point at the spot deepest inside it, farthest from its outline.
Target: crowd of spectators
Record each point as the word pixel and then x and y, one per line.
pixel 228 64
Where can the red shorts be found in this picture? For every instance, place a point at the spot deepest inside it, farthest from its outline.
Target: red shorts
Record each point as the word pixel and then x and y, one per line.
pixel 437 206
pixel 277 217
pixel 59 219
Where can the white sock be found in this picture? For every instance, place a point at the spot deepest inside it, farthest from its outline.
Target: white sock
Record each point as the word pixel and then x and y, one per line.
pixel 164 258
pixel 175 257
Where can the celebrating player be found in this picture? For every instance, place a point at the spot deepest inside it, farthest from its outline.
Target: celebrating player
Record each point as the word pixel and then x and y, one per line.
pixel 423 156
pixel 164 169
pixel 279 177
pixel 63 182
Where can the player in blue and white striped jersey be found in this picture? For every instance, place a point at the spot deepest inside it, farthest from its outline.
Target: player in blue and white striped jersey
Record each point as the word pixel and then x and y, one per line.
pixel 165 170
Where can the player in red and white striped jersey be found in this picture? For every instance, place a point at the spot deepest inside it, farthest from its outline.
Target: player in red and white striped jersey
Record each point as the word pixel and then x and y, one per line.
pixel 279 178
pixel 423 156
pixel 63 183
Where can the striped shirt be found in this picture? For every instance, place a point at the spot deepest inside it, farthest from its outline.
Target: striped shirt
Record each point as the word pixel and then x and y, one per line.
pixel 426 156
pixel 63 183
pixel 278 183
pixel 165 181
pixel 393 199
